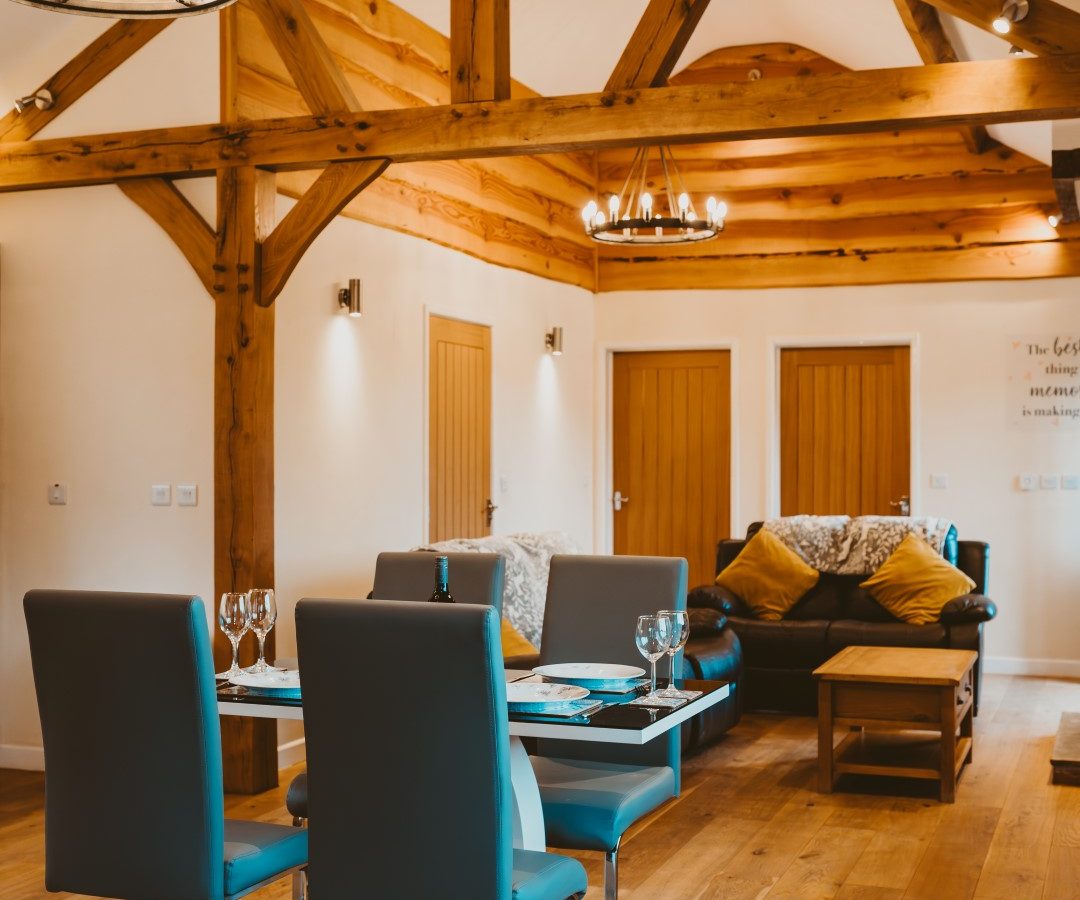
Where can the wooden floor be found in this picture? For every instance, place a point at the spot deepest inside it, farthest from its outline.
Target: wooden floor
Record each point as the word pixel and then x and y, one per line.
pixel 750 824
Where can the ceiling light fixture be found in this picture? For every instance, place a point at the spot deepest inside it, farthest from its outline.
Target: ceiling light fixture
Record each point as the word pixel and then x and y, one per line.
pixel 131 9
pixel 632 219
pixel 352 298
pixel 42 99
pixel 1016 51
pixel 1054 220
pixel 1012 11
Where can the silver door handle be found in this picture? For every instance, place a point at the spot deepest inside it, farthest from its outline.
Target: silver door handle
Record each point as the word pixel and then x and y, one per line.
pixel 618 500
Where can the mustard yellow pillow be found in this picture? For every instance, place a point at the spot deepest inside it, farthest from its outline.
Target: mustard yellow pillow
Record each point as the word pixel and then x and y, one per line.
pixel 914 583
pixel 513 643
pixel 769 576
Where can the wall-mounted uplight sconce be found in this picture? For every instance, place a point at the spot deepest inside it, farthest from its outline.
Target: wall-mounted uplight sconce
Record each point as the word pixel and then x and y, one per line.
pixel 352 298
pixel 43 99
pixel 553 341
pixel 1012 11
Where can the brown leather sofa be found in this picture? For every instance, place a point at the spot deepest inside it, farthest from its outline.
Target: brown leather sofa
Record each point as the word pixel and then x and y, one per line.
pixel 778 657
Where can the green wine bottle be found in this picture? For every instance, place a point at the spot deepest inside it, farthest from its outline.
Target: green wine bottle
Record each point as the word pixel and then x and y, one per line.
pixel 442 593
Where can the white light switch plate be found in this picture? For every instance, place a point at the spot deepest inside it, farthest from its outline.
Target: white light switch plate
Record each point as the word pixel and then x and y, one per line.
pixel 1048 482
pixel 939 482
pixel 161 495
pixel 1028 482
pixel 57 494
pixel 187 495
pixel 1070 482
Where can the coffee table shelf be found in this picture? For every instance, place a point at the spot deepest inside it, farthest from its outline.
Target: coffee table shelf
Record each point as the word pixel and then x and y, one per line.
pixel 903 754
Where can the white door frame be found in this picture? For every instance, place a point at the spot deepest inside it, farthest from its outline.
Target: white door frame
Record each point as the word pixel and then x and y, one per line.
pixel 604 461
pixel 772 385
pixel 428 310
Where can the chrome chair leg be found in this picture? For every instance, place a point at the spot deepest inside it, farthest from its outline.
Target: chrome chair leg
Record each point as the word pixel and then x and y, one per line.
pixel 611 873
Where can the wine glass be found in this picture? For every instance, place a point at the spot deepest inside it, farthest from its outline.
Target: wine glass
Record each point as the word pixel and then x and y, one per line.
pixel 653 635
pixel 234 619
pixel 680 634
pixel 263 616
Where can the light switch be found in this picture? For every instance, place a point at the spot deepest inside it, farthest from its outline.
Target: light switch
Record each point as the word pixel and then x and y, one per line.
pixel 161 494
pixel 1048 482
pixel 504 484
pixel 187 495
pixel 1028 482
pixel 1070 482
pixel 58 494
pixel 939 482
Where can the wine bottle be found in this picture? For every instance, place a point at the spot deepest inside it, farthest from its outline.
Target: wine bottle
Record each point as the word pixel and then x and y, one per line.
pixel 442 593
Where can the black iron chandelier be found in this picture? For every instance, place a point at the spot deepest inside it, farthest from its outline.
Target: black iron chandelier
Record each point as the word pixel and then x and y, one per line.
pixel 633 216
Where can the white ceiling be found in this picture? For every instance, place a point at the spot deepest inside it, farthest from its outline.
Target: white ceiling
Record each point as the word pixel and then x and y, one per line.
pixel 570 46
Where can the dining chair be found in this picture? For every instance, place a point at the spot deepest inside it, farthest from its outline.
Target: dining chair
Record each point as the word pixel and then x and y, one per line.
pixel 474 578
pixel 408 766
pixel 134 806
pixel 591 793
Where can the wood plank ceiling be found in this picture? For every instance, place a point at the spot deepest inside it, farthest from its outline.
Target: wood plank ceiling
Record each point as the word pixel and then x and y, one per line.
pixel 860 209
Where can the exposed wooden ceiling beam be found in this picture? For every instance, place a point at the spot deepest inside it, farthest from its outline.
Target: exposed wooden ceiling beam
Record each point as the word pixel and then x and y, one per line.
pixel 82 72
pixel 923 24
pixel 160 199
pixel 479 50
pixel 313 69
pixel 1010 90
pixel 656 44
pixel 1049 29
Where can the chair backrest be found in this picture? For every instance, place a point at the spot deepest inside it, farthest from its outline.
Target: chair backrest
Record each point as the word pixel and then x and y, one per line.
pixel 133 790
pixel 593 603
pixel 408 779
pixel 474 577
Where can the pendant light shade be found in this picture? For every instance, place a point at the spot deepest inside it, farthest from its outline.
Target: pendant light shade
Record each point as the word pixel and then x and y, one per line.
pixel 131 9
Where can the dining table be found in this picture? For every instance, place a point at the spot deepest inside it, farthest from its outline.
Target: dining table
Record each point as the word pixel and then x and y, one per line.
pixel 616 721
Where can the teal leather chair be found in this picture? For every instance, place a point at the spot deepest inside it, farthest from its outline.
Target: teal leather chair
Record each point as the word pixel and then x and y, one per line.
pixel 474 578
pixel 134 807
pixel 591 793
pixel 408 766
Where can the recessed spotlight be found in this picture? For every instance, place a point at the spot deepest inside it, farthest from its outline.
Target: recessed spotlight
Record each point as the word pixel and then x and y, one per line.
pixel 1053 220
pixel 1012 11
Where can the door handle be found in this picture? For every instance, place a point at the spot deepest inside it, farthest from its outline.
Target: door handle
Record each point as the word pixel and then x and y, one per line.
pixel 902 506
pixel 490 510
pixel 618 500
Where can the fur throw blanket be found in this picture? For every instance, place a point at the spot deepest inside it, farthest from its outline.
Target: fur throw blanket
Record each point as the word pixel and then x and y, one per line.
pixel 842 545
pixel 527 558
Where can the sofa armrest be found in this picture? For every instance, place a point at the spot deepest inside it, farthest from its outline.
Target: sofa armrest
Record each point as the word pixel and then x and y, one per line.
pixel 969 608
pixel 712 596
pixel 705 621
pixel 714 658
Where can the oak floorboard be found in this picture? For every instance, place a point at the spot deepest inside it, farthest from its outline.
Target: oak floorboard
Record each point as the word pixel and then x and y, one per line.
pixel 751 824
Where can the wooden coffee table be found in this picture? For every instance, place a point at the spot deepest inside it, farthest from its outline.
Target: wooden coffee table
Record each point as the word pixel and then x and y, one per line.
pixel 907 712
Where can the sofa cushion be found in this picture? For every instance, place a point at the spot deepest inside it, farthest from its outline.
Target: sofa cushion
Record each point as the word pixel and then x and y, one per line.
pixel 786 644
pixel 914 583
pixel 848 632
pixel 770 577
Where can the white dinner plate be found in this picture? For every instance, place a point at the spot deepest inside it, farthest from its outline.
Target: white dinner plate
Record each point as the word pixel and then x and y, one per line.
pixel 270 681
pixel 526 696
pixel 594 676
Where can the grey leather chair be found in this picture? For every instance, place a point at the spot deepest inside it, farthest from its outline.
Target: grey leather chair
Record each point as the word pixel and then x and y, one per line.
pixel 474 578
pixel 410 791
pixel 591 793
pixel 133 793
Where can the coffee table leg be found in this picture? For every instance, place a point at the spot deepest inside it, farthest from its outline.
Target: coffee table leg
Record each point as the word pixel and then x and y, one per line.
pixel 967 729
pixel 948 745
pixel 825 737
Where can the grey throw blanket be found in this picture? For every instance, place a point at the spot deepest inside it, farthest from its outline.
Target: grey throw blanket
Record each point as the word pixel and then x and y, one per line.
pixel 842 545
pixel 527 559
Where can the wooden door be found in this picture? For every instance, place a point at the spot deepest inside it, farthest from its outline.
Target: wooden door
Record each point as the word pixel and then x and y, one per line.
pixel 845 430
pixel 459 464
pixel 672 455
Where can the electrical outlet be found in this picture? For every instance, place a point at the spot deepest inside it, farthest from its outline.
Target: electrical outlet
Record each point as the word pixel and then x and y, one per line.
pixel 57 494
pixel 187 495
pixel 1028 482
pixel 161 495
pixel 939 482
pixel 1048 482
pixel 1070 482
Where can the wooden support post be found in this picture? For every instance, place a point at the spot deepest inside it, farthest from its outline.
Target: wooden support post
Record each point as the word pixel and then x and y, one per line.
pixel 656 44
pixel 243 453
pixel 479 50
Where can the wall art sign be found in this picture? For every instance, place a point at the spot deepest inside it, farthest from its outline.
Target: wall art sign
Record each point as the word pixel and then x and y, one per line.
pixel 1044 381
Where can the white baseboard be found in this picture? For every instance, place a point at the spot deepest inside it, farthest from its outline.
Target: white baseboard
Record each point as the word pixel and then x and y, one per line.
pixel 291 752
pixel 1018 665
pixel 20 756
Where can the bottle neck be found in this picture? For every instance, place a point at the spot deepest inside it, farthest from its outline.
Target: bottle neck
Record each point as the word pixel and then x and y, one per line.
pixel 442 574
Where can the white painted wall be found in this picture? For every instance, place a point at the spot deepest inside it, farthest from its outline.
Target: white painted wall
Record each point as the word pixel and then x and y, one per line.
pixel 961 333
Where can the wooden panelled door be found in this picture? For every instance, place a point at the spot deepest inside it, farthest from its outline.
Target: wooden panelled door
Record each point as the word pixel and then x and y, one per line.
pixel 671 440
pixel 845 431
pixel 459 427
